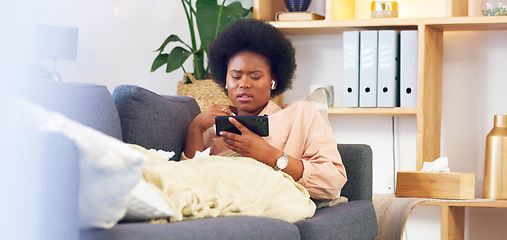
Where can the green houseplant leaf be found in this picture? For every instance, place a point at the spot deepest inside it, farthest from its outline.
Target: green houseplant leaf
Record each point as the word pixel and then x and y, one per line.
pixel 212 18
pixel 209 18
pixel 172 38
pixel 160 60
pixel 176 58
pixel 164 58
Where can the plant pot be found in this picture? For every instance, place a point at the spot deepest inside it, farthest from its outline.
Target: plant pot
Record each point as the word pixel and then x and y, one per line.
pixel 297 5
pixel 205 92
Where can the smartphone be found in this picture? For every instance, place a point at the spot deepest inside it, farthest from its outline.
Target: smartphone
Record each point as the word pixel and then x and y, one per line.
pixel 256 124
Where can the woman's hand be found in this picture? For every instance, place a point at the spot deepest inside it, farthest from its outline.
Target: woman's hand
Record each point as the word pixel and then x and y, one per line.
pixel 206 118
pixel 250 144
pixel 200 124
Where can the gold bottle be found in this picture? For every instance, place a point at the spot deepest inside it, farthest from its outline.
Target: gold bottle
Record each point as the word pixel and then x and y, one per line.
pixel 384 9
pixel 495 167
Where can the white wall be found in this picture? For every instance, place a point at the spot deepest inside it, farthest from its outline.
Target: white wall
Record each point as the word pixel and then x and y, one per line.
pixel 118 49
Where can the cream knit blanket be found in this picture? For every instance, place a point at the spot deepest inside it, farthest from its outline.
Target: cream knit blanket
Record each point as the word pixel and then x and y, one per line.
pixel 224 186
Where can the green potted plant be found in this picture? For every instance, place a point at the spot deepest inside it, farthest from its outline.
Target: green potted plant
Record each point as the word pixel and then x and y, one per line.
pixel 205 18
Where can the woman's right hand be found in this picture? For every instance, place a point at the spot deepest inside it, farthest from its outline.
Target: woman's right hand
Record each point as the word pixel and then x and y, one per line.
pixel 200 124
pixel 206 118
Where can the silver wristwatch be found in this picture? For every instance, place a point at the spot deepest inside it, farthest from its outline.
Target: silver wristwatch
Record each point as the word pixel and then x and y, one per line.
pixel 281 162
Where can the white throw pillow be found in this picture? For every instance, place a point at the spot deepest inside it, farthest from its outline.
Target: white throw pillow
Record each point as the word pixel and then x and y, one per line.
pixel 318 99
pixel 109 169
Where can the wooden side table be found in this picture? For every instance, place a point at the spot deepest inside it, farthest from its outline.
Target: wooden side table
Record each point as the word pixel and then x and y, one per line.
pixel 392 214
pixel 452 213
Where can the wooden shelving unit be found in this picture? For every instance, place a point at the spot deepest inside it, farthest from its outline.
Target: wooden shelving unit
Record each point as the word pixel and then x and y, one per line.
pixel 469 203
pixel 373 111
pixel 430 55
pixel 452 215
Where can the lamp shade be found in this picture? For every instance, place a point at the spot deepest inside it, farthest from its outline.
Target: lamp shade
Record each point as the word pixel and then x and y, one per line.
pixel 55 42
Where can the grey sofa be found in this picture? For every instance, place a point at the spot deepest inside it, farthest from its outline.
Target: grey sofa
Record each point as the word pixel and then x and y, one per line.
pixel 137 115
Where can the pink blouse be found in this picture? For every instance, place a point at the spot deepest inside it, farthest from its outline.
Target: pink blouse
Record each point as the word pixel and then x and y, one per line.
pixel 300 131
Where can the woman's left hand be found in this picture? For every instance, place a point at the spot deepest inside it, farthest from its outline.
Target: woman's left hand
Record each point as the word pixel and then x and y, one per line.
pixel 249 144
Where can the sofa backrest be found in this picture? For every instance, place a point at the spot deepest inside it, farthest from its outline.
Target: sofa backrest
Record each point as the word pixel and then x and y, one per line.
pixel 152 120
pixel 89 104
pixel 136 115
pixel 357 159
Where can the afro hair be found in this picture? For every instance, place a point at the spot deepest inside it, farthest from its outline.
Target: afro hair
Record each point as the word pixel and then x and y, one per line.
pixel 259 37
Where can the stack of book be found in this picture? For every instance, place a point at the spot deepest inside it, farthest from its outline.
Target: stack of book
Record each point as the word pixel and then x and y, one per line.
pixel 298 16
pixel 380 68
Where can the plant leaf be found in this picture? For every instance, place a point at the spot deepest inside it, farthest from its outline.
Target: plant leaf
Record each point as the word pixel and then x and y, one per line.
pixel 212 18
pixel 176 58
pixel 172 38
pixel 160 60
pixel 247 13
pixel 199 72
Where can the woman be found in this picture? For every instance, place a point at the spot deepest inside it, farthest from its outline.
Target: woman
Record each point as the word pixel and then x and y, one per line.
pixel 254 62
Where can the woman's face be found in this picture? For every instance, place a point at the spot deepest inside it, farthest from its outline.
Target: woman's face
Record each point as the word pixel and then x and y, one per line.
pixel 249 82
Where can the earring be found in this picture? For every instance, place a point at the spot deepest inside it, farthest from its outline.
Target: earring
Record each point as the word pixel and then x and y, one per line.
pixel 272 84
pixel 225 86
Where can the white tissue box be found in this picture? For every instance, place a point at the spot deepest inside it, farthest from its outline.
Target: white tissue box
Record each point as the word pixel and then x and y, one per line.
pixel 435 185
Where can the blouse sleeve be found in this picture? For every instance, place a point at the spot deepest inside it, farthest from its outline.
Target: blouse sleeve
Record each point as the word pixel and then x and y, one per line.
pixel 324 174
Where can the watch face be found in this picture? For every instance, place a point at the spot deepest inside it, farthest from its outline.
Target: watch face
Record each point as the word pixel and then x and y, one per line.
pixel 282 162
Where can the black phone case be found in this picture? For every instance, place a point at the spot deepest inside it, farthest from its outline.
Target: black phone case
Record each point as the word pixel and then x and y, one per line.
pixel 256 124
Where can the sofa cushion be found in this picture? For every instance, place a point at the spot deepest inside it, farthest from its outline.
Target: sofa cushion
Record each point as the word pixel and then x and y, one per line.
pixel 318 99
pixel 154 121
pixel 353 220
pixel 234 227
pixel 89 104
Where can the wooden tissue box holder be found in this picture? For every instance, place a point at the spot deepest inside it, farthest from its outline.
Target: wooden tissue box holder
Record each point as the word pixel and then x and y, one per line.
pixel 435 185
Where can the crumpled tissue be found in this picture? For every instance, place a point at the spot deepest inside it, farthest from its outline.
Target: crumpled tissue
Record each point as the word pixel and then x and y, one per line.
pixel 166 155
pixel 440 164
pixel 204 153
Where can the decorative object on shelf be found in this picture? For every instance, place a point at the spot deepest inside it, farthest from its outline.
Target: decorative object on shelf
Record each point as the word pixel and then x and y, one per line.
pixel 205 91
pixel 343 9
pixel 297 5
pixel 384 9
pixel 208 17
pixel 495 166
pixel 298 16
pixel 494 7
pixel 55 43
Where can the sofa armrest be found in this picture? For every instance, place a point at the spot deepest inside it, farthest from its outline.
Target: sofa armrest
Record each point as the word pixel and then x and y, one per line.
pixel 40 182
pixel 357 159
